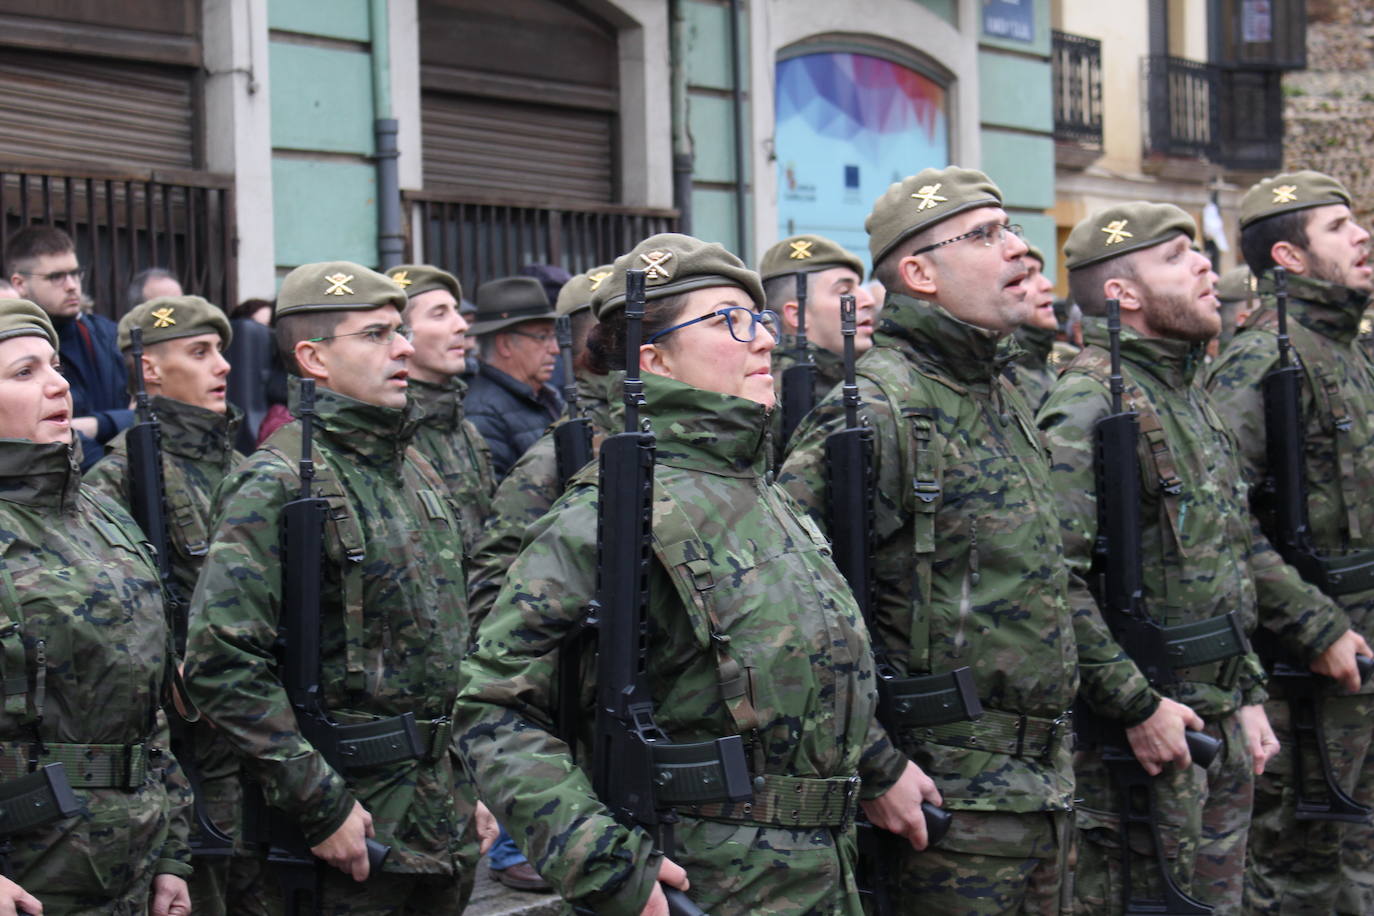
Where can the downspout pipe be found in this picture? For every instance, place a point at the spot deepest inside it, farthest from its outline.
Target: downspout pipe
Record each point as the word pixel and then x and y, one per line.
pixel 737 112
pixel 683 157
pixel 390 235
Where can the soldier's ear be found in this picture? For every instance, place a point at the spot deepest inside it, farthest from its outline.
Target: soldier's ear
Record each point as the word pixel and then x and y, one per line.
pixel 655 359
pixel 918 272
pixel 1290 257
pixel 152 372
pixel 311 360
pixel 789 314
pixel 1124 291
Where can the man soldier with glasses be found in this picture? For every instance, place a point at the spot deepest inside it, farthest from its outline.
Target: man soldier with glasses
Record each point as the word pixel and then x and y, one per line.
pixel 44 269
pixel 973 602
pixel 510 400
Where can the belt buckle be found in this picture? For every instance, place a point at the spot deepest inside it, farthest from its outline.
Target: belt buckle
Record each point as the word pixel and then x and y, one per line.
pixel 1021 722
pixel 851 802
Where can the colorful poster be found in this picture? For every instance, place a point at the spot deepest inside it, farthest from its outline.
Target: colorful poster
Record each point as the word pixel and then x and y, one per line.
pixel 848 125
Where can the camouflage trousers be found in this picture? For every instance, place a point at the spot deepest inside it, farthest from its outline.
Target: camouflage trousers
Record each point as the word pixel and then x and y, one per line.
pixel 990 864
pixel 1314 867
pixel 743 869
pixel 1203 820
pixel 224 885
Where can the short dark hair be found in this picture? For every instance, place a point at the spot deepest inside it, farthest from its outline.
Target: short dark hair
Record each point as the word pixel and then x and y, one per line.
pixel 782 289
pixel 33 242
pixel 247 307
pixel 606 341
pixel 292 329
pixel 888 271
pixel 1085 284
pixel 1257 240
pixel 140 279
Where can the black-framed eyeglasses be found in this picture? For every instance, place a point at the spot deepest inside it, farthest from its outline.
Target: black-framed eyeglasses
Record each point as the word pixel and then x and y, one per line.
pixel 743 323
pixel 990 233
pixel 58 277
pixel 543 337
pixel 373 335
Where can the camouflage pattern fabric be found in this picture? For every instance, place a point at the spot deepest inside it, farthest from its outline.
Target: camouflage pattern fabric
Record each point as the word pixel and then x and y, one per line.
pixel 197 451
pixel 530 489
pixel 457 451
pixel 94 649
pixel 1204 817
pixel 1032 371
pixel 414 631
pixel 790 623
pixel 1291 864
pixel 1000 599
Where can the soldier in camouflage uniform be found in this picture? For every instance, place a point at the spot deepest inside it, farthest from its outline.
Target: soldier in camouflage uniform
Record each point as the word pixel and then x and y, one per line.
pixel 1302 222
pixel 779 608
pixel 87 655
pixel 447 438
pixel 393 608
pixel 534 483
pixel 1202 557
pixel 968 552
pixel 1032 371
pixel 185 372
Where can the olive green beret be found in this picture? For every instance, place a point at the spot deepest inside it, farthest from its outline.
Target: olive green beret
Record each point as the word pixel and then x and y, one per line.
pixel 507 301
pixel 171 317
pixel 924 199
pixel 1033 251
pixel 424 278
pixel 673 264
pixel 806 254
pixel 1236 284
pixel 1123 228
pixel 577 293
pixel 336 286
pixel 21 318
pixel 1288 192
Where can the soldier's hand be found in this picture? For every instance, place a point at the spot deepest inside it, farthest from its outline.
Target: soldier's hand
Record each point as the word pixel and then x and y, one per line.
pixel 488 831
pixel 170 897
pixel 1259 735
pixel 345 848
pixel 14 900
pixel 670 873
pixel 1338 661
pixel 1159 739
pixel 898 810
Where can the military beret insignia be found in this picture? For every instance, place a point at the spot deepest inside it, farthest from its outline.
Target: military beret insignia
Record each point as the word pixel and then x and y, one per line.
pixel 929 196
pixel 402 278
pixel 162 318
pixel 1285 194
pixel 1116 231
pixel 655 265
pixel 801 249
pixel 596 279
pixel 338 284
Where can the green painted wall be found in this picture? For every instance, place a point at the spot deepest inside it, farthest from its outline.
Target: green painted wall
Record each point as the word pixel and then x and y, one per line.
pixel 711 120
pixel 321 99
pixel 1040 232
pixel 948 10
pixel 1015 91
pixel 345 19
pixel 1022 165
pixel 324 211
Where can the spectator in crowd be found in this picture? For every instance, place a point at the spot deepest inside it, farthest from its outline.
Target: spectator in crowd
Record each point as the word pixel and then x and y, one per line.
pixel 258 379
pixel 259 310
pixel 150 283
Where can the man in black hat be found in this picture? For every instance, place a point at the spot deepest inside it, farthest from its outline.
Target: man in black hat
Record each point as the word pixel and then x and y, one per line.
pixel 510 401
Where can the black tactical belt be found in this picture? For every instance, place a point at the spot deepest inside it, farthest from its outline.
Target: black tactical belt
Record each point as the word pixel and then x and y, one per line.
pixel 706 771
pixel 35 799
pixel 377 742
pixel 1205 641
pixel 1001 732
pixel 88 766
pixel 930 699
pixel 1346 573
pixel 791 801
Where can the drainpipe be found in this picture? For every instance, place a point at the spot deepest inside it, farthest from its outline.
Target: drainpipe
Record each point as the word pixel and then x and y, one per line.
pixel 390 237
pixel 683 159
pixel 737 112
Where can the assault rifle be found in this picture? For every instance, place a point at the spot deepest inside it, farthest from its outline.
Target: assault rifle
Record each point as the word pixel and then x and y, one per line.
pixel 799 380
pixel 849 469
pixel 1283 495
pixel 148 506
pixel 31 801
pixel 572 439
pixel 636 771
pixel 341 746
pixel 1116 559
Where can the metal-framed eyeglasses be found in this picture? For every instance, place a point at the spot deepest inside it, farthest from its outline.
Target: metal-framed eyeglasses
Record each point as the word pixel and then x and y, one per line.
pixel 743 323
pixel 376 335
pixel 58 277
pixel 990 233
pixel 542 338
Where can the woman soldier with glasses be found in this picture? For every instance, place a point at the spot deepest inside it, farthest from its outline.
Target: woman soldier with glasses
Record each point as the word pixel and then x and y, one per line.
pixel 752 633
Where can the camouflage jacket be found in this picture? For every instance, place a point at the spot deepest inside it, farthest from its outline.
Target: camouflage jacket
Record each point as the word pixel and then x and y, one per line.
pixel 1323 325
pixel 1202 554
pixel 403 653
pixel 197 451
pixel 91 652
pixel 1031 371
pixel 997 596
pixel 457 451
pixel 786 616
pixel 527 492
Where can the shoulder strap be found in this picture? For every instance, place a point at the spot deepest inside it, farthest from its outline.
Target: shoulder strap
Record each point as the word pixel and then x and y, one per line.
pixel 344 534
pixel 14 670
pixel 187 525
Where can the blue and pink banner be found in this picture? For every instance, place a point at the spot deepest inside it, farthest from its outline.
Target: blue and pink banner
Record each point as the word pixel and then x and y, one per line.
pixel 848 125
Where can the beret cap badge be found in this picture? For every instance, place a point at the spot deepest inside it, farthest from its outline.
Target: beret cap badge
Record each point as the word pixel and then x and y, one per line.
pixel 338 284
pixel 401 278
pixel 1116 231
pixel 655 264
pixel 929 196
pixel 1285 194
pixel 801 249
pixel 596 279
pixel 162 318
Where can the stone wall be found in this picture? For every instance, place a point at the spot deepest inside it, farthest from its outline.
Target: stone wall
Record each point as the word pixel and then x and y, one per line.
pixel 1329 107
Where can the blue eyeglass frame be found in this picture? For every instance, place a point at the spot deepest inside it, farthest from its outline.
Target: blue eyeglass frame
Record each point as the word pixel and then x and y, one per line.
pixel 756 318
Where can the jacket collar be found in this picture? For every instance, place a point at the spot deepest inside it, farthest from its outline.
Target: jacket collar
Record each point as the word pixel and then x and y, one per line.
pixel 39 475
pixel 1173 363
pixel 932 337
pixel 195 432
pixel 375 436
pixel 1329 309
pixel 705 430
pixel 442 405
pixel 1036 344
